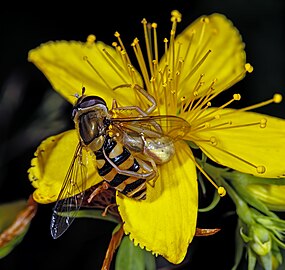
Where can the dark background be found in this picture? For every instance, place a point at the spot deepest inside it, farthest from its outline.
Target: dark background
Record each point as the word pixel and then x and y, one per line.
pixel 25 121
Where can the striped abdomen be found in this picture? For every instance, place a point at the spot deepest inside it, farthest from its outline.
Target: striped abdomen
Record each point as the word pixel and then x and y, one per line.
pixel 130 186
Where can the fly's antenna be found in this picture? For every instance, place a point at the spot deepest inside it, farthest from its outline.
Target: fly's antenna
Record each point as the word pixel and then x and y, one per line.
pixel 83 90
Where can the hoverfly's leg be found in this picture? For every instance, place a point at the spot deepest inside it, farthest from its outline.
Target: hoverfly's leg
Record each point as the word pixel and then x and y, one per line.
pixel 127 172
pixel 98 190
pixel 149 97
pixel 152 167
pixel 105 212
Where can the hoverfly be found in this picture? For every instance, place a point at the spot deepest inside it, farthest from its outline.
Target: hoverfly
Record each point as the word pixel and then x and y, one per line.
pixel 127 150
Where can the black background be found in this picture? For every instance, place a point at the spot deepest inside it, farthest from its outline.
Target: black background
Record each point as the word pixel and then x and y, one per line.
pixel 261 24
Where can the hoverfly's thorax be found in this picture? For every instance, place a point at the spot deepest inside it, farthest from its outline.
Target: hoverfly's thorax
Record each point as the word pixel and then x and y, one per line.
pixel 90 114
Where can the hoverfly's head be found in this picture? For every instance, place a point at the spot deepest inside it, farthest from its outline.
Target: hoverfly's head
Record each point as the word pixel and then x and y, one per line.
pixel 85 104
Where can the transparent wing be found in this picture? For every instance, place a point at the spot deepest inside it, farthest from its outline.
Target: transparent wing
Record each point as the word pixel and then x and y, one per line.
pixel 71 195
pixel 169 126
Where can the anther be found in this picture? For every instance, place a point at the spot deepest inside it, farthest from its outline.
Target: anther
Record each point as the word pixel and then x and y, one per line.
pixel 117 34
pixel 248 67
pixel 263 122
pixel 277 98
pixel 176 16
pixel 236 96
pixel 260 169
pixel 144 21
pixel 222 191
pixel 213 140
pixel 154 25
pixel 90 39
pixel 205 20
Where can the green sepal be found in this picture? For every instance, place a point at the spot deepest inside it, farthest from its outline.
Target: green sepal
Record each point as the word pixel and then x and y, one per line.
pixel 266 261
pixel 239 246
pixel 213 204
pixel 131 257
pixel 251 257
pixel 248 179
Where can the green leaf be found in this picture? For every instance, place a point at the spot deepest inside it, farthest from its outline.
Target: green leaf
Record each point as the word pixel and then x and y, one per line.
pixel 131 257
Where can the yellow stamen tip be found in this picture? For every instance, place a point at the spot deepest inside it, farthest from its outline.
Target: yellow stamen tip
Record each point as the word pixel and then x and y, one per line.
pixel 221 191
pixel 260 169
pixel 114 44
pixel 165 40
pixel 277 98
pixel 205 20
pixel 144 21
pixel 176 16
pixel 263 122
pixel 154 25
pixel 213 140
pixel 248 67
pixel 90 39
pixel 117 34
pixel 236 96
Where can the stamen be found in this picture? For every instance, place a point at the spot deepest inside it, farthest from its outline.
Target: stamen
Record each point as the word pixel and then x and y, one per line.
pixel 199 49
pixel 260 169
pixel 277 98
pixel 118 36
pixel 247 68
pixel 141 61
pixel 115 66
pixel 154 26
pixel 195 68
pixel 165 50
pixel 85 58
pixel 221 190
pixel 147 37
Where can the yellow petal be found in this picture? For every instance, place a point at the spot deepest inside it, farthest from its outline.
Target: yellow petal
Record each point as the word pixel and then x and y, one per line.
pixel 50 165
pixel 253 143
pixel 165 222
pixel 225 63
pixel 62 62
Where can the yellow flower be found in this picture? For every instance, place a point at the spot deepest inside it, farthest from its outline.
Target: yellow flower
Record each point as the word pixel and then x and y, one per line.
pixel 205 59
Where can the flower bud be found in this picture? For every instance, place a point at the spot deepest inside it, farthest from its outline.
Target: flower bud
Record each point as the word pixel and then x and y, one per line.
pixel 261 240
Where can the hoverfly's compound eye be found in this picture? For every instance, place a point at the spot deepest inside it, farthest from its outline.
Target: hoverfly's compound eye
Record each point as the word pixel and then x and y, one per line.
pixel 74 111
pixel 90 101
